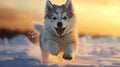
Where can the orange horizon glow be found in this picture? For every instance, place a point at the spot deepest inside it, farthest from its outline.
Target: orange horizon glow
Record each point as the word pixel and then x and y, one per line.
pixel 93 16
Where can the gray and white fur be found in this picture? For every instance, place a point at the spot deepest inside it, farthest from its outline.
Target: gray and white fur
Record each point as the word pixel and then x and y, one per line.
pixel 59 33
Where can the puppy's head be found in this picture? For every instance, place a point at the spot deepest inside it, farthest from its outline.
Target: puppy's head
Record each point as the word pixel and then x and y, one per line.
pixel 59 19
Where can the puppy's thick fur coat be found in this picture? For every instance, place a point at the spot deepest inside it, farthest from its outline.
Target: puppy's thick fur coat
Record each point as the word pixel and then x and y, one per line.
pixel 58 33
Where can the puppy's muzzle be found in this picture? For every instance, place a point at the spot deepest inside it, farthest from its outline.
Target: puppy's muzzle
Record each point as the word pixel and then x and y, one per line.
pixel 60 29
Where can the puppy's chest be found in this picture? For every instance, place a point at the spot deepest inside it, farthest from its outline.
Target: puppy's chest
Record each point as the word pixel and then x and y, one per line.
pixel 60 40
pixel 64 41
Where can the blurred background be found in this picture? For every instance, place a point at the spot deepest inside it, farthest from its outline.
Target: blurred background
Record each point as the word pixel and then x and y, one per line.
pixel 98 26
pixel 94 17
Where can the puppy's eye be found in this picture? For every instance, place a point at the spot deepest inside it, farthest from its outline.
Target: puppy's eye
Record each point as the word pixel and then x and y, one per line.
pixel 64 17
pixel 54 18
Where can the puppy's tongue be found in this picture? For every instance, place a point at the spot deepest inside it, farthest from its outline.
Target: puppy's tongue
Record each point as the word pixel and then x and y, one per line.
pixel 60 30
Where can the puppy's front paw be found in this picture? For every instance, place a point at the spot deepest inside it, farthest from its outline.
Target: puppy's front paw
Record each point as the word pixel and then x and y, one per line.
pixel 67 56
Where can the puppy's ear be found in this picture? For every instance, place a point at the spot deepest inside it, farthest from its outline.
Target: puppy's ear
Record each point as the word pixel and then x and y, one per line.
pixel 49 6
pixel 68 5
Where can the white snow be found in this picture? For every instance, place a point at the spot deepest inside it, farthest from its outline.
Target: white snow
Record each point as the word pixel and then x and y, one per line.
pixel 99 52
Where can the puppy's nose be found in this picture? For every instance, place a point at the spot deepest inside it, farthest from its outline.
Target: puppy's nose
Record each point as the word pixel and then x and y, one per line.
pixel 59 24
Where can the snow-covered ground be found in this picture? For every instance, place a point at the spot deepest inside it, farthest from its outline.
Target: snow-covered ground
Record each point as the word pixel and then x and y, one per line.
pixel 99 52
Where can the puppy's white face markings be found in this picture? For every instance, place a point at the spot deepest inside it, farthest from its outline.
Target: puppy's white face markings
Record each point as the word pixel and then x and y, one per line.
pixel 59 18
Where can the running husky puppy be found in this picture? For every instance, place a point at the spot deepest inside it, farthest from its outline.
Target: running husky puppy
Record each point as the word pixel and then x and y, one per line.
pixel 58 34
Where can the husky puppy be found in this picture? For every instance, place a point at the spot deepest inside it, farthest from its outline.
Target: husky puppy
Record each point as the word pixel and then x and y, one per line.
pixel 58 33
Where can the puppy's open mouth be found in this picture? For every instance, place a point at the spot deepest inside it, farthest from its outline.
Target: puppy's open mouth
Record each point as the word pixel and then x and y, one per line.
pixel 60 31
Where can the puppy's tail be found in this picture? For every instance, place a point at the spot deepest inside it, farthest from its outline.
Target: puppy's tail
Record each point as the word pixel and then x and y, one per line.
pixel 37 27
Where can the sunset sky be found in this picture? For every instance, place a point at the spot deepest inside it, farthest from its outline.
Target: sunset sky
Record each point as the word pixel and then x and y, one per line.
pixel 93 16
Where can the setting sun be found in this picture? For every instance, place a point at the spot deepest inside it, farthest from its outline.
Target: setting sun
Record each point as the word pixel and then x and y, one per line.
pixel 101 17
